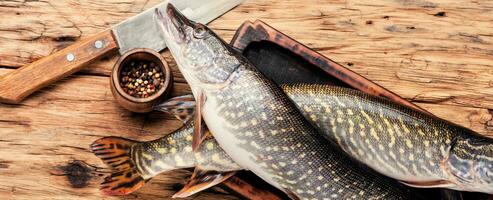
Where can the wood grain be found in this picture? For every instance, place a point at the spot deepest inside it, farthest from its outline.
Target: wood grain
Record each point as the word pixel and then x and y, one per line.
pixel 435 53
pixel 43 137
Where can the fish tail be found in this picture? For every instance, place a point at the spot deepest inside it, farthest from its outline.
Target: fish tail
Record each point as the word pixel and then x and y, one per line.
pixel 116 153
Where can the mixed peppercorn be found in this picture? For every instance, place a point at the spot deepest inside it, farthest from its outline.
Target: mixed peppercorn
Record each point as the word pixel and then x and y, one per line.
pixel 141 78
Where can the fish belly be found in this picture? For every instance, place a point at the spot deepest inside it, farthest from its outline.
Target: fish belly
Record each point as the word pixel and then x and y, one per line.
pixel 231 143
pixel 260 128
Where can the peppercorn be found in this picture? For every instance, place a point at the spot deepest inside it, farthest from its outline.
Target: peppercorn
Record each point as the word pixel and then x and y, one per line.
pixel 141 78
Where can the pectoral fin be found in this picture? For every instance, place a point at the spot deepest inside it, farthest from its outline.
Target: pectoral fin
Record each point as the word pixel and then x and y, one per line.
pixel 182 107
pixel 430 184
pixel 202 180
pixel 199 133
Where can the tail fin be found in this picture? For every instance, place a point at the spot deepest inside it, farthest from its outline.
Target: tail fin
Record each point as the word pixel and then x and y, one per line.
pixel 115 152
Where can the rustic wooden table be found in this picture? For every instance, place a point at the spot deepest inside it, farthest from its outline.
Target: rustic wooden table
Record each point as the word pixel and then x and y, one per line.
pixel 437 54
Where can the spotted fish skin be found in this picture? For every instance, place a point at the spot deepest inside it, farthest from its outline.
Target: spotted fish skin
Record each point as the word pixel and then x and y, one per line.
pixel 174 151
pixel 259 127
pixel 276 142
pixel 397 141
pixel 132 163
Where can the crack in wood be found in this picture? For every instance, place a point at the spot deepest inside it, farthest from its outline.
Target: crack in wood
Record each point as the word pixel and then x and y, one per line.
pixel 489 124
pixel 16 122
pixel 420 3
pixel 74 25
pixel 74 147
pixel 440 14
pixel 4 164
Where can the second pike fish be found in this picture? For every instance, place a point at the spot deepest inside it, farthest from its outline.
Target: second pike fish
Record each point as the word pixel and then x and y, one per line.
pixel 259 127
pixel 416 148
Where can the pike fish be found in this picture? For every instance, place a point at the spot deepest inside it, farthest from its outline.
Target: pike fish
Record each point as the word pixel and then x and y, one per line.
pixel 418 149
pixel 133 163
pixel 257 125
pixel 399 142
pixel 323 105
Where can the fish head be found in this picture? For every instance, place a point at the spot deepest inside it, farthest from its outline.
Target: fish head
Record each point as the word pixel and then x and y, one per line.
pixel 470 162
pixel 203 58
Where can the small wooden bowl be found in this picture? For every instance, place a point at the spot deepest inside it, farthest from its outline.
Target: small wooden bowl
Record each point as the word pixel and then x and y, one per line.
pixel 135 104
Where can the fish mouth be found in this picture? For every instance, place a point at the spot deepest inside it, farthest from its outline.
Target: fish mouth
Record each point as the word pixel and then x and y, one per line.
pixel 177 21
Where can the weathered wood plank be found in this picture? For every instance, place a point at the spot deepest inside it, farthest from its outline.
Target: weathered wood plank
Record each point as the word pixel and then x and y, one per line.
pixel 42 137
pixel 435 53
pixel 53 128
pixel 430 51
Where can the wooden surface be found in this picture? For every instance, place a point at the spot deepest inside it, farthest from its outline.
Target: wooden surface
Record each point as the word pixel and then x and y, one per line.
pixel 435 53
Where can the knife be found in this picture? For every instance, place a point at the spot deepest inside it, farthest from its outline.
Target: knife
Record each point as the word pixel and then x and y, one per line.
pixel 140 31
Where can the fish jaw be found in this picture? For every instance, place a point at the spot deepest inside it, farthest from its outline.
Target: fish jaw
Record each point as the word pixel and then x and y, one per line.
pixel 177 23
pixel 174 29
pixel 204 59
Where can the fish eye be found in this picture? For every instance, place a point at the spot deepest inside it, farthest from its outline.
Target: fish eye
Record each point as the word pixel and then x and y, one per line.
pixel 199 32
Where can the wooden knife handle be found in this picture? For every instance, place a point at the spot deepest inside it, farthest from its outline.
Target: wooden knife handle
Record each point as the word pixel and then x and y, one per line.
pixel 20 83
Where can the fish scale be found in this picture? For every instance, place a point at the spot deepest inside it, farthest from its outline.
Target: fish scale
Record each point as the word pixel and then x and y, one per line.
pixel 404 144
pixel 386 136
pixel 133 163
pixel 174 151
pixel 392 139
pixel 254 133
pixel 309 167
pixel 262 130
pixel 156 156
pixel 397 141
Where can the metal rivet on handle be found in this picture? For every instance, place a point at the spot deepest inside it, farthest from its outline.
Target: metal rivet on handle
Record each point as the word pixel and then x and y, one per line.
pixel 70 57
pixel 98 44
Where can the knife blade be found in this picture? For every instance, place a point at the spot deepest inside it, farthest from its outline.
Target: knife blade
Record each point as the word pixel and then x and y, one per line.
pixel 140 31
